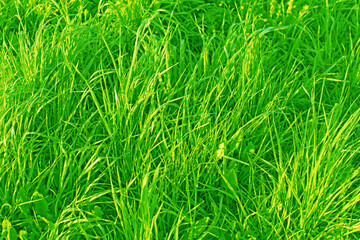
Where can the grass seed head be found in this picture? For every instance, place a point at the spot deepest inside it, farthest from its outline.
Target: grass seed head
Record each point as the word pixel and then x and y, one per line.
pixel 221 151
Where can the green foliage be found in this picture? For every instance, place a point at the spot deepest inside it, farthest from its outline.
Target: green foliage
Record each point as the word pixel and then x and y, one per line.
pixel 186 119
pixel 8 232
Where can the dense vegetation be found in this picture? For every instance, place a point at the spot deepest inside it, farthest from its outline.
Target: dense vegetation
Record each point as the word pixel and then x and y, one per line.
pixel 180 119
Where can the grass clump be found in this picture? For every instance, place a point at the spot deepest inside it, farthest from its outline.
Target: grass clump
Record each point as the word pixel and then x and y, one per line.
pixel 179 119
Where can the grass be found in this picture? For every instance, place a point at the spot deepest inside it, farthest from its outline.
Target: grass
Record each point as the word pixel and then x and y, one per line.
pixel 186 119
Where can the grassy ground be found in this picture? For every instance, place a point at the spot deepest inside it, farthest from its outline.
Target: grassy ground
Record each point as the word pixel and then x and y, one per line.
pixel 180 119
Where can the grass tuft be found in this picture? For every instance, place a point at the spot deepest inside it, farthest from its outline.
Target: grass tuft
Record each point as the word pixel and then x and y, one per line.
pixel 187 119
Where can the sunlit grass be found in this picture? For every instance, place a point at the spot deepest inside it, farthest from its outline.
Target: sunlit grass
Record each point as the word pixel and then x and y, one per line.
pixel 179 119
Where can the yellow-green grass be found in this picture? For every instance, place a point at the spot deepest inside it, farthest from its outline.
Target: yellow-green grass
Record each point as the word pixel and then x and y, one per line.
pixel 180 119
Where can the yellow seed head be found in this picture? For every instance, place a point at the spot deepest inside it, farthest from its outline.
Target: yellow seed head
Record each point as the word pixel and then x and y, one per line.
pixel 272 7
pixel 221 151
pixel 290 7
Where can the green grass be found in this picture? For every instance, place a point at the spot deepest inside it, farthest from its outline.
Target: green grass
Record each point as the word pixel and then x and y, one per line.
pixel 180 119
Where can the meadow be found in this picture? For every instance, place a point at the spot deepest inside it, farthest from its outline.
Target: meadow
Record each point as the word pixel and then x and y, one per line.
pixel 179 119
